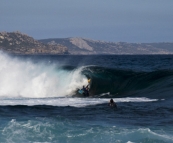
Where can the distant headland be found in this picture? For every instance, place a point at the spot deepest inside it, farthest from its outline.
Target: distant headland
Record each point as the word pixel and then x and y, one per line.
pixel 18 43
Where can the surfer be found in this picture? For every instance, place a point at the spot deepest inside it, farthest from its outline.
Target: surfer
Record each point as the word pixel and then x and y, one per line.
pixel 86 90
pixel 112 103
pixel 87 87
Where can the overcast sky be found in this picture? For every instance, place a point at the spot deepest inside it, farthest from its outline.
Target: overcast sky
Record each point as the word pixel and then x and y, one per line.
pixel 108 20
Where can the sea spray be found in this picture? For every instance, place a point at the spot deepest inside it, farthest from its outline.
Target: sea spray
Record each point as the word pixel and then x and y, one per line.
pixel 23 78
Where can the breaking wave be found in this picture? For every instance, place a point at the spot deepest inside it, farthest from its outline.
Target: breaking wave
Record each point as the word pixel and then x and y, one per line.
pixel 24 78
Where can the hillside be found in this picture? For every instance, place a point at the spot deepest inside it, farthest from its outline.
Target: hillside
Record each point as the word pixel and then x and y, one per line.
pixel 18 43
pixel 87 46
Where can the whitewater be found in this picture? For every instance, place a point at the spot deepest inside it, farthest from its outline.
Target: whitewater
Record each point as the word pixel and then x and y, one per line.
pixel 27 79
pixel 39 99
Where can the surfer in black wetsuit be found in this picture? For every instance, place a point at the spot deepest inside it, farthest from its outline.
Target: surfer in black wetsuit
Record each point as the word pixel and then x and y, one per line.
pixel 86 90
pixel 112 103
pixel 87 87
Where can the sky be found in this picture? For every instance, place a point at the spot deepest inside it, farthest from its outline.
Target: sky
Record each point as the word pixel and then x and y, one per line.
pixel 132 21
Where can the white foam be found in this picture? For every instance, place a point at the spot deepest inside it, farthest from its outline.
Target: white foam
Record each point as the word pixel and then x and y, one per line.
pixel 137 135
pixel 157 135
pixel 23 78
pixel 75 102
pixel 136 99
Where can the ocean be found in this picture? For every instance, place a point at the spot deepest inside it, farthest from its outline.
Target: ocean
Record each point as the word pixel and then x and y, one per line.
pixel 40 103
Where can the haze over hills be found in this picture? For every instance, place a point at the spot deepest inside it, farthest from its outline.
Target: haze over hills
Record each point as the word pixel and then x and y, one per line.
pixel 88 46
pixel 18 43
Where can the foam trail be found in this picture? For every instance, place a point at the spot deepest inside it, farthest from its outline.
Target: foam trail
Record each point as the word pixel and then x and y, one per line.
pixel 75 102
pixel 36 80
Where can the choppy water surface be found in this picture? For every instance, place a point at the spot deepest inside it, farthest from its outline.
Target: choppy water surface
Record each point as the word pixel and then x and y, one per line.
pixel 39 101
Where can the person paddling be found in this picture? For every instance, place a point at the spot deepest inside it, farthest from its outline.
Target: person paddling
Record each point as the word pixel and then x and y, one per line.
pixel 112 103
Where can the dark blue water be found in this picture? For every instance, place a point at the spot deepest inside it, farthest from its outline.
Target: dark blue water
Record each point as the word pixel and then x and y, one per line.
pixel 40 103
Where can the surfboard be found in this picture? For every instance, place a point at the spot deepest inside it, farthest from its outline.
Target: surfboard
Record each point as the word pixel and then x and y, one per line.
pixel 80 91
